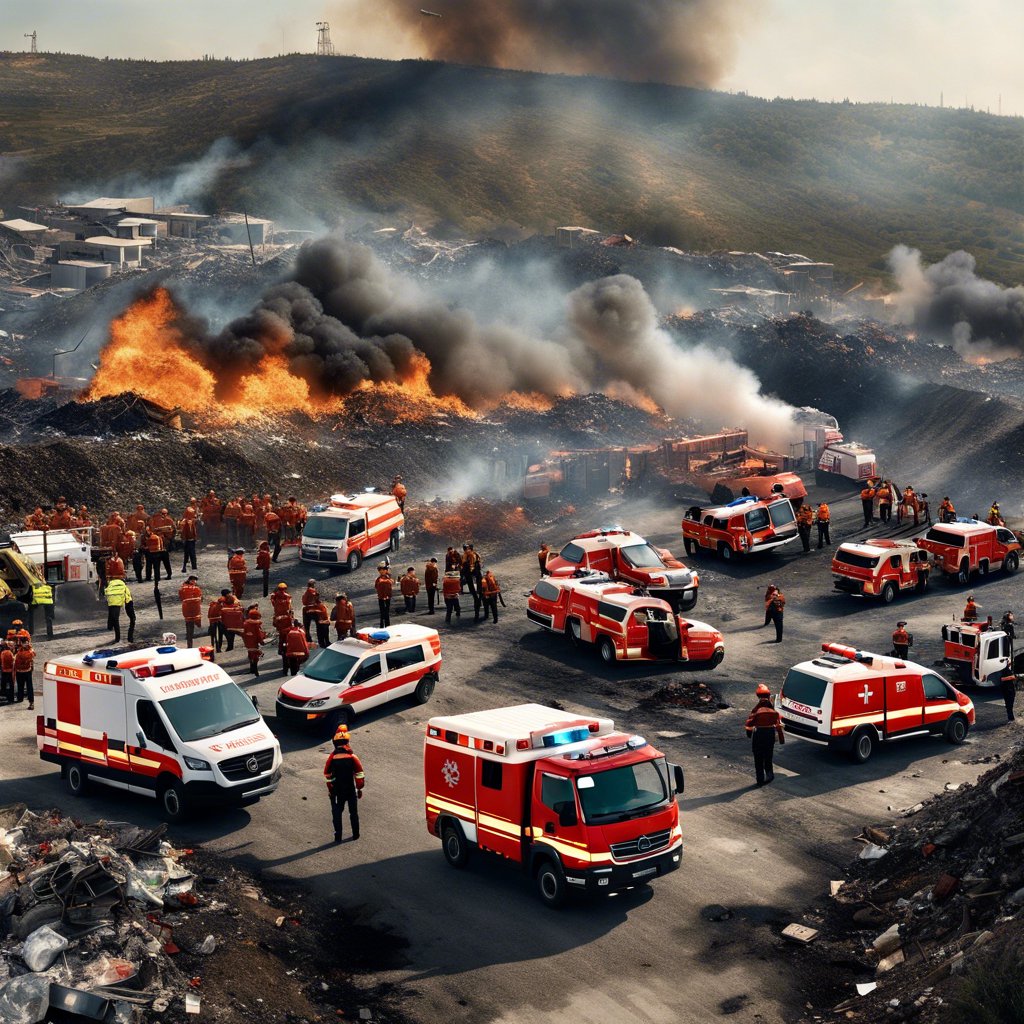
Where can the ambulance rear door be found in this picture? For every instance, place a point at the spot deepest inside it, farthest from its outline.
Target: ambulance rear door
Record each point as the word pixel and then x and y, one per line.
pixel 904 703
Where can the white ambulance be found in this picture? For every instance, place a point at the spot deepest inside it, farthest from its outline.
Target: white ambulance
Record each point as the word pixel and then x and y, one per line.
pixel 351 528
pixel 161 721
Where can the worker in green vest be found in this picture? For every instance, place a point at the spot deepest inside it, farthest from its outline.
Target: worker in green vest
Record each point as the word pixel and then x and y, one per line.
pixel 42 597
pixel 119 596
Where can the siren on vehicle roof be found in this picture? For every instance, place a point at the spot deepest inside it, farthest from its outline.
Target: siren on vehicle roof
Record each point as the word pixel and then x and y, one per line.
pixel 380 636
pixel 742 501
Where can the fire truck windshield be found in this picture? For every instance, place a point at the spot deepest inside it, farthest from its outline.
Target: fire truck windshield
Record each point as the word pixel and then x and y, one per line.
pixel 572 553
pixel 209 712
pixel 622 793
pixel 642 556
pixel 330 666
pixel 325 528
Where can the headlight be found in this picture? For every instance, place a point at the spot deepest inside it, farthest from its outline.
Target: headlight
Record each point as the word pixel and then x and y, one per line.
pixel 317 703
pixel 196 765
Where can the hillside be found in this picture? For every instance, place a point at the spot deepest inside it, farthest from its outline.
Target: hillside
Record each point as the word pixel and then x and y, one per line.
pixel 478 149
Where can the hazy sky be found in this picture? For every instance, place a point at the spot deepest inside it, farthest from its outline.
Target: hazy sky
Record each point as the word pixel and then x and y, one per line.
pixel 909 50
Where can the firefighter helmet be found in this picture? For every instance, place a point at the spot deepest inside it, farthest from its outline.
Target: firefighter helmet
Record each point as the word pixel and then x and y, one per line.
pixel 762 690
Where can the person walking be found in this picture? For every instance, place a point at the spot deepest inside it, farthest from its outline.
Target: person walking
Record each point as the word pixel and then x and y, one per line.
pixel 804 522
pixel 775 611
pixel 323 624
pixel 24 663
pixel 451 587
pixel 119 596
pixel 409 584
pixel 384 586
pixel 466 567
pixel 430 578
pixel 345 780
pixel 191 598
pixel 214 616
pixel 901 641
pixel 232 617
pixel 343 614
pixel 310 599
pixel 1008 684
pixel 238 570
pixel 263 564
pixel 769 593
pixel 272 521
pixel 542 558
pixel 824 520
pixel 884 495
pixel 6 672
pixel 253 637
pixel 188 531
pixel 970 610
pixel 296 647
pixel 867 500
pixel 763 725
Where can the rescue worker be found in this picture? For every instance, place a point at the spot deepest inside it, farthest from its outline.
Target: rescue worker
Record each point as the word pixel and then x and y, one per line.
pixel 161 523
pixel 452 561
pixel 110 532
pixel 137 521
pixel 273 524
pixel 804 522
pixel 37 520
pixel 477 570
pixel 296 647
pixel 542 558
pixel 281 600
pixel 430 578
pixel 188 530
pixel 384 586
pixel 60 518
pixel 119 596
pixel 211 509
pixel 113 569
pixel 253 637
pixel 399 491
pixel 995 517
pixel 947 513
pixel 232 510
pixel 283 626
pixel 345 779
pixel 156 555
pixel 24 662
pixel 901 641
pixel 763 725
pixel 191 598
pixel 6 672
pixel 1008 684
pixel 216 625
pixel 884 496
pixel 323 624
pixel 910 505
pixel 824 520
pixel 409 584
pixel 925 508
pixel 263 564
pixel 41 597
pixel 1009 626
pixel 867 501
pixel 310 599
pixel 232 617
pixel 18 632
pixel 238 570
pixel 775 612
pixel 451 587
pixel 247 525
pixel 343 615
pixel 970 610
pixel 466 567
pixel 768 595
pixel 490 592
pixel 128 552
pixel 296 518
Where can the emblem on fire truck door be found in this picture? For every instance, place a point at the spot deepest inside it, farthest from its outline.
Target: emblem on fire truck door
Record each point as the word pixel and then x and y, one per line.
pixel 450 771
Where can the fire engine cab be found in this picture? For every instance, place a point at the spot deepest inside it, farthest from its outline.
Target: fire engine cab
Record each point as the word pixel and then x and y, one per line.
pixel 361 672
pixel 580 806
pixel 624 623
pixel 623 555
pixel 853 700
pixel 967 546
pixel 351 528
pixel 161 721
pixel 880 568
pixel 745 526
pixel 978 653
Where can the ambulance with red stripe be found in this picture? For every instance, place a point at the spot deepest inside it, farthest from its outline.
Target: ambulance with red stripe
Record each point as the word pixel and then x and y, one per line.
pixel 163 722
pixel 745 526
pixel 853 700
pixel 351 528
pixel 578 805
pixel 362 672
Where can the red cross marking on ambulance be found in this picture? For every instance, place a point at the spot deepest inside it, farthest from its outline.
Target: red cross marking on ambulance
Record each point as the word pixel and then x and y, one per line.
pixel 866 695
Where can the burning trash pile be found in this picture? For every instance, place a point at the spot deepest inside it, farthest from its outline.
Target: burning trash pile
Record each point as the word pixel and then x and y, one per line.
pixel 472 520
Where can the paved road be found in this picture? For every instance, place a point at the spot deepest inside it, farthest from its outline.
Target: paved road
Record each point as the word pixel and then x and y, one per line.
pixel 480 946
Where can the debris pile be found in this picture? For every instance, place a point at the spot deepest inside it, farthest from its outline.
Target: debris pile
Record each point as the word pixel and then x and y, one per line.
pixel 694 696
pixel 473 521
pixel 118 414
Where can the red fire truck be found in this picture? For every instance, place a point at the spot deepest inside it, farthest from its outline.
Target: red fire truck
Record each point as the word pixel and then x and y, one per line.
pixel 967 546
pixel 880 568
pixel 580 806
pixel 625 624
pixel 852 700
pixel 626 556
pixel 978 653
pixel 745 526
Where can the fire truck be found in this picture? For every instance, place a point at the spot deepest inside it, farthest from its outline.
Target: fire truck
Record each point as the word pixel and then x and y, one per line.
pixel 624 623
pixel 967 546
pixel 745 526
pixel 978 653
pixel 162 721
pixel 351 528
pixel 880 568
pixel 581 807
pixel 853 700
pixel 622 555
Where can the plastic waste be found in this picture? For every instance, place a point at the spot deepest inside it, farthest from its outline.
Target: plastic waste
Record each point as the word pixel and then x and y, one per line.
pixel 208 945
pixel 42 947
pixel 109 970
pixel 25 1000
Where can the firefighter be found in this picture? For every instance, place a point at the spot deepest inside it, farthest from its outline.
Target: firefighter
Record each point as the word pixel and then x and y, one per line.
pixel 1008 684
pixel 283 625
pixel 947 513
pixel 128 552
pixel 110 532
pixel 41 597
pixel 24 662
pixel 211 509
pixel 910 505
pixel 263 564
pixel 310 599
pixel 452 561
pixel 901 641
pixel 451 587
pixel 296 647
pixel 542 558
pixel 884 495
pixel 232 617
pixel 294 517
pixel 18 632
pixel 804 522
pixel 60 518
pixel 273 523
pixel 409 584
pixel 322 621
pixel 191 598
pixel 1008 625
pixel 491 593
pixel 113 569
pixel 466 567
pixel 253 637
pixel 214 616
pixel 430 577
pixel 775 611
pixel 152 546
pixel 995 517
pixel 867 501
pixel 343 615
pixel 763 725
pixel 37 520
pixel 188 530
pixel 281 600
pixel 970 610
pixel 345 779
pixel 399 491
pixel 119 596
pixel 137 521
pixel 769 593
pixel 477 570
pixel 238 570
pixel 824 520
pixel 232 510
pixel 384 586
pixel 162 524
pixel 247 525
pixel 6 672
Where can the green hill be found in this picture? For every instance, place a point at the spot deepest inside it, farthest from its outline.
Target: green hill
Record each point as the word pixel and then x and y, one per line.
pixel 477 148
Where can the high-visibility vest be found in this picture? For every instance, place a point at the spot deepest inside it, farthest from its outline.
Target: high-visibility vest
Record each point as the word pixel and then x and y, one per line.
pixel 42 593
pixel 118 594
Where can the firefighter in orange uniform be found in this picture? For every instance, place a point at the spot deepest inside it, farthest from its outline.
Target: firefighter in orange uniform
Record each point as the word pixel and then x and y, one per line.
pixel 211 512
pixel 163 524
pixel 110 532
pixel 409 584
pixel 310 598
pixel 188 530
pixel 263 564
pixel 247 526
pixel 156 555
pixel 947 513
pixel 238 570
pixel 763 725
pixel 24 662
pixel 128 551
pixel 214 615
pixel 804 522
pixel 384 586
pixel 6 672
pixel 776 609
pixel 60 519
pixel 399 491
pixel 867 500
pixel 344 616
pixel 114 567
pixel 232 510
pixel 884 495
pixel 345 779
pixel 970 610
pixel 296 647
pixel 452 561
pixel 768 595
pixel 137 521
pixel 824 520
pixel 281 601
pixel 37 520
pixel 451 588
pixel 491 594
pixel 430 578
pixel 282 624
pixel 323 624
pixel 273 523
pixel 901 641
pixel 542 558
pixel 253 637
pixel 191 598
pixel 232 617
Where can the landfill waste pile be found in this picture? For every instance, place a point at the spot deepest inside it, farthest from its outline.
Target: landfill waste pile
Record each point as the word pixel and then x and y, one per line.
pixel 110 922
pixel 695 696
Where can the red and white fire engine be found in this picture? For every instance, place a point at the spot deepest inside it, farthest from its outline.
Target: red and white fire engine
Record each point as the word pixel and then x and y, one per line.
pixel 162 721
pixel 624 623
pixel 853 700
pixel 623 555
pixel 979 654
pixel 967 546
pixel 579 805
pixel 745 526
pixel 880 568
pixel 352 528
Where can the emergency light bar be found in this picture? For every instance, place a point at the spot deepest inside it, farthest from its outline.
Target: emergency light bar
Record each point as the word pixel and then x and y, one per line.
pixel 849 653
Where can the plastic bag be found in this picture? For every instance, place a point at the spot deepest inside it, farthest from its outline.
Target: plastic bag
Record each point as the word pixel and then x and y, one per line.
pixel 208 945
pixel 42 947
pixel 109 970
pixel 25 1000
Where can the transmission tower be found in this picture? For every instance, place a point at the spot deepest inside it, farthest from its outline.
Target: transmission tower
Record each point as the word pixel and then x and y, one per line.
pixel 324 46
pixel 32 35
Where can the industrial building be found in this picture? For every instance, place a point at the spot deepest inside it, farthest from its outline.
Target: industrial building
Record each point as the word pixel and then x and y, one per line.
pixel 79 274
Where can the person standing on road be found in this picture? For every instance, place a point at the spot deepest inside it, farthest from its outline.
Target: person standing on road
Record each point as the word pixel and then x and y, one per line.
pixel 191 598
pixel 263 564
pixel 119 596
pixel 384 586
pixel 867 500
pixel 1008 684
pixel 399 491
pixel 344 616
pixel 296 647
pixel 253 637
pixel 24 662
pixel 451 587
pixel 6 672
pixel 452 560
pixel 188 531
pixel 901 641
pixel 1008 625
pixel 763 724
pixel 310 599
pixel 804 522
pixel 776 608
pixel 824 520
pixel 323 624
pixel 214 618
pixel 884 495
pixel 491 593
pixel 345 779
pixel 430 576
pixel 409 584
pixel 769 593
pixel 273 524
pixel 238 571
pixel 970 610
pixel 542 558
pixel 947 512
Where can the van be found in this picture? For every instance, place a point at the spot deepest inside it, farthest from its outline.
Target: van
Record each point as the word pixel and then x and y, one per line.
pixel 745 526
pixel 880 568
pixel 966 546
pixel 351 528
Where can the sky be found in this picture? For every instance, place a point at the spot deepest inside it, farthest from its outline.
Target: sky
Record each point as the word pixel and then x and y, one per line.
pixel 865 50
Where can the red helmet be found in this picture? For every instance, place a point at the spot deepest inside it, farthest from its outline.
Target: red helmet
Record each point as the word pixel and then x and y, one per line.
pixel 762 690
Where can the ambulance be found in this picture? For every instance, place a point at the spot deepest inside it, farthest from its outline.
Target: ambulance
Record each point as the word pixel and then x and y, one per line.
pixel 626 556
pixel 979 654
pixel 351 528
pixel 746 526
pixel 579 806
pixel 362 672
pixel 623 623
pixel 852 700
pixel 967 546
pixel 162 721
pixel 880 568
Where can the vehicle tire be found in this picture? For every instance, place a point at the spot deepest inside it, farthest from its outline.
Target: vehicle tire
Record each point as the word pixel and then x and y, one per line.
pixel 354 560
pixel 964 575
pixel 863 746
pixel 424 688
pixel 888 592
pixel 725 552
pixel 717 658
pixel 1012 562
pixel 983 569
pixel 956 729
pixel 606 649
pixel 172 801
pixel 688 546
pixel 396 541
pixel 453 843
pixel 77 783
pixel 35 917
pixel 551 885
pixel 574 631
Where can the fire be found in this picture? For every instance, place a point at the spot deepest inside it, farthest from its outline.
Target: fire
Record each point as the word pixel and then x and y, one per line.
pixel 474 519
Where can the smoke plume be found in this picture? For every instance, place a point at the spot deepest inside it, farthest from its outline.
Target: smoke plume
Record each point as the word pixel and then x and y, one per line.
pixel 979 317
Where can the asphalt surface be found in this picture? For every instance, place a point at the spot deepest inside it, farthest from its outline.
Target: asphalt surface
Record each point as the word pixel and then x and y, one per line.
pixel 481 947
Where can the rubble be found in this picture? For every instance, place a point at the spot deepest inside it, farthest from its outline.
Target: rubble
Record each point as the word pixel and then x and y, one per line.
pixel 694 696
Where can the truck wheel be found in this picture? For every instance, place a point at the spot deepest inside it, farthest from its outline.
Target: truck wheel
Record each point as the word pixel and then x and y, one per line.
pixel 725 552
pixel 551 884
pixel 77 783
pixel 354 560
pixel 607 650
pixel 956 729
pixel 965 572
pixel 172 801
pixel 396 541
pixel 35 917
pixel 863 746
pixel 1012 562
pixel 453 842
pixel 983 568
pixel 888 593
pixel 424 688
pixel 717 658
pixel 688 546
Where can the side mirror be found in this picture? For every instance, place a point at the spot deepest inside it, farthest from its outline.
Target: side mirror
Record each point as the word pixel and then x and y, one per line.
pixel 255 701
pixel 677 775
pixel 566 811
pixel 142 739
